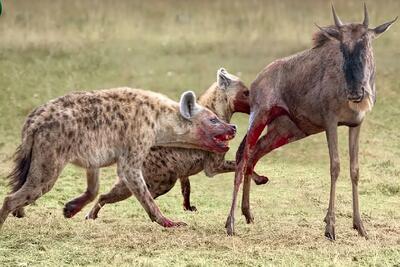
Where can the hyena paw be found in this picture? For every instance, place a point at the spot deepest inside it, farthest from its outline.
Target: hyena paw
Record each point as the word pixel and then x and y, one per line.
pixel 70 210
pixel 167 223
pixel 19 213
pixel 190 208
pixel 259 179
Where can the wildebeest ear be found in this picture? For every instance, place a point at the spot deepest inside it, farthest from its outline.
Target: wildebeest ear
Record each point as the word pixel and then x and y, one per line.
pixel 187 105
pixel 225 79
pixel 382 28
pixel 329 32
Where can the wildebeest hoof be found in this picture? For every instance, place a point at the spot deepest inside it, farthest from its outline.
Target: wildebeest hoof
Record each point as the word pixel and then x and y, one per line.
pixel 19 213
pixel 167 223
pixel 190 208
pixel 330 232
pixel 248 215
pixel 229 225
pixel 360 229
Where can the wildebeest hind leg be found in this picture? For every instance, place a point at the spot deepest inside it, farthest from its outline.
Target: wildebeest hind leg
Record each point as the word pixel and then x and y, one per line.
pixel 281 131
pixel 258 121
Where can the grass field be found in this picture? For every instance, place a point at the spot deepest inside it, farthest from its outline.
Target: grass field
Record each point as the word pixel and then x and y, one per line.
pixel 49 48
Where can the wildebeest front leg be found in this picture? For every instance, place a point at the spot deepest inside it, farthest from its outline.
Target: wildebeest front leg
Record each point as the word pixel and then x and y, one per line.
pixel 76 205
pixel 258 120
pixel 281 131
pixel 185 188
pixel 354 133
pixel 133 179
pixel 331 134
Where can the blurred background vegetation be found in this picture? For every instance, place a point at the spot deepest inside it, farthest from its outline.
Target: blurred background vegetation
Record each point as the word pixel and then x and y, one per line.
pixel 49 48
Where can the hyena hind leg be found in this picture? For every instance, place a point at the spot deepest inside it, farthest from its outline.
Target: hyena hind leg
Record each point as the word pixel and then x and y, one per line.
pixel 42 176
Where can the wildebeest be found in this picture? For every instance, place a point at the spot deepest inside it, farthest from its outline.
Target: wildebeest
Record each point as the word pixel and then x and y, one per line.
pixel 319 89
pixel 100 128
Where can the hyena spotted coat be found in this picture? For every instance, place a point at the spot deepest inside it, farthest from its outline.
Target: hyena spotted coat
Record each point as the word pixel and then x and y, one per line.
pixel 164 166
pixel 99 128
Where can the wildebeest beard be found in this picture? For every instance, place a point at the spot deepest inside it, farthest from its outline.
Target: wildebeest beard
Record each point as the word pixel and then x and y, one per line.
pixel 353 65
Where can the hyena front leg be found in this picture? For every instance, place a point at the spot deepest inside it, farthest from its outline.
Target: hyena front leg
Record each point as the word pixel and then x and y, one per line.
pixel 133 179
pixel 185 189
pixel 215 165
pixel 77 204
pixel 118 193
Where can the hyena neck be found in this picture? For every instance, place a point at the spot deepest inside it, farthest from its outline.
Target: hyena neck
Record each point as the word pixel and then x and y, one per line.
pixel 217 101
pixel 171 128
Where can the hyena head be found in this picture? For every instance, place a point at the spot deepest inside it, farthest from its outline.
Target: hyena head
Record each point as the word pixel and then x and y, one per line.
pixel 237 93
pixel 200 128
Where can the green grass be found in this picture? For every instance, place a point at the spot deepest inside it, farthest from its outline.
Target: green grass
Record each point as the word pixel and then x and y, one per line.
pixel 49 48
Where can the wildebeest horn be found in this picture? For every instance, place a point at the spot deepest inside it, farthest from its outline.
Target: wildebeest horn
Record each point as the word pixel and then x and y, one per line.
pixel 338 22
pixel 366 18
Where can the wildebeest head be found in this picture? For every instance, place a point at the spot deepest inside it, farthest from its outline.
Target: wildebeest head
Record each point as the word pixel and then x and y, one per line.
pixel 355 45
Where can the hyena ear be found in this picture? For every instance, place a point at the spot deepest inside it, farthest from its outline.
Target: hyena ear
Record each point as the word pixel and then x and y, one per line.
pixel 187 105
pixel 225 79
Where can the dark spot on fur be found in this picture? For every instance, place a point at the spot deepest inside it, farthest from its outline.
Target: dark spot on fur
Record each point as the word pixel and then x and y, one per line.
pixel 107 121
pixel 164 163
pixel 121 116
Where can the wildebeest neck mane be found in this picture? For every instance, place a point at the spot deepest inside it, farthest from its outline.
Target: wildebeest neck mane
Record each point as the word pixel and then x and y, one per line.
pixel 319 38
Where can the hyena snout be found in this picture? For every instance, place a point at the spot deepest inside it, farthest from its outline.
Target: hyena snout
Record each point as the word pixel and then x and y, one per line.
pixel 221 137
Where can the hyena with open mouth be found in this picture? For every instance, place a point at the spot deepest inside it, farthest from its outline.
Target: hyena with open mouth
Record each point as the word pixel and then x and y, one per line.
pixel 100 128
pixel 164 166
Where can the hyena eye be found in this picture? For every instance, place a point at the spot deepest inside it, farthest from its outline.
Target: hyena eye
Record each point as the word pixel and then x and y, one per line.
pixel 214 120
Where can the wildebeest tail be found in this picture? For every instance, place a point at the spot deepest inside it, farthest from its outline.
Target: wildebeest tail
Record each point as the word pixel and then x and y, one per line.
pixel 22 164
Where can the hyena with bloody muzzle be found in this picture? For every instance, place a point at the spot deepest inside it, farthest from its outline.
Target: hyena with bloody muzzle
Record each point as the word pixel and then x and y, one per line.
pixel 100 128
pixel 165 165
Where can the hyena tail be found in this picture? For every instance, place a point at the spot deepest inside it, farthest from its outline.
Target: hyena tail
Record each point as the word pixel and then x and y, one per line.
pixel 22 164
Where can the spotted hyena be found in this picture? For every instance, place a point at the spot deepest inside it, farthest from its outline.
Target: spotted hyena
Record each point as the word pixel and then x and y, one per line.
pixel 100 128
pixel 163 166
